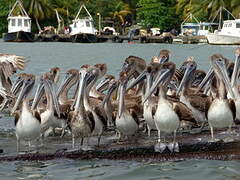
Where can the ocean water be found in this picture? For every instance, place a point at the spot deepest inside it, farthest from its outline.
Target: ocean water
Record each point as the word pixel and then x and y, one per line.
pixel 43 56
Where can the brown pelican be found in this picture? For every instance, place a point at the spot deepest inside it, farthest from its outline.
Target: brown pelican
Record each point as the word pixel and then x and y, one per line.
pixel 169 113
pixel 235 84
pixel 94 105
pixel 194 100
pixel 222 111
pixel 108 104
pixel 50 112
pixel 80 120
pixel 150 105
pixel 28 123
pixel 127 120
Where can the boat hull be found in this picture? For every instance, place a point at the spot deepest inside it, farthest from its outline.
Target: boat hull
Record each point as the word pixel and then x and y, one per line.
pixel 223 39
pixel 19 36
pixel 84 38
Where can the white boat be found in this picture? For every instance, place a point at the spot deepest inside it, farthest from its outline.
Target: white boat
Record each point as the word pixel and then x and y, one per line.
pixel 82 29
pixel 19 26
pixel 229 34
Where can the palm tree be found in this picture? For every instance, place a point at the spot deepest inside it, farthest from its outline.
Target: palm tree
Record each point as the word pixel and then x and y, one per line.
pixel 120 11
pixel 212 6
pixel 39 10
pixel 235 6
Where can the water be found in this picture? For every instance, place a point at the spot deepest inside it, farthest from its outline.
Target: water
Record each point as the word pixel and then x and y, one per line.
pixel 43 56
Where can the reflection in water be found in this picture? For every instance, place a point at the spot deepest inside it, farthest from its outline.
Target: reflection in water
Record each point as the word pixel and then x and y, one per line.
pixel 105 169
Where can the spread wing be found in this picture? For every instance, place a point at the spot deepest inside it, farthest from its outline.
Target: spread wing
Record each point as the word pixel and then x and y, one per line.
pixel 10 63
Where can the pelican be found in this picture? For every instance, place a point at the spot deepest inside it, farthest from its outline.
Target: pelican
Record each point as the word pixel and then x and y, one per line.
pixel 127 120
pixel 108 105
pixel 169 113
pixel 50 112
pixel 222 111
pixel 235 84
pixel 80 120
pixel 27 122
pixel 149 74
pixel 94 104
pixel 190 96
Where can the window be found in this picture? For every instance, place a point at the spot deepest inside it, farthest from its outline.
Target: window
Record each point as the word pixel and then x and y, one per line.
pixel 19 22
pixel 25 22
pixel 237 25
pixel 75 25
pixel 13 22
pixel 87 23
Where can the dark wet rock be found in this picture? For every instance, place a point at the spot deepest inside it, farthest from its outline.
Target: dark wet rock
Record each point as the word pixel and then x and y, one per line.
pixel 140 147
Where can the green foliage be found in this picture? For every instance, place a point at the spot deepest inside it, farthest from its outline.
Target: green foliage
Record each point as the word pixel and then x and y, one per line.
pixel 157 13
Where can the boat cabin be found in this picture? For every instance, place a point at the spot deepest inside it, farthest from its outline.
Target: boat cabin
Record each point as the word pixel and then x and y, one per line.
pixel 231 28
pixel 19 23
pixel 18 19
pixel 197 29
pixel 82 25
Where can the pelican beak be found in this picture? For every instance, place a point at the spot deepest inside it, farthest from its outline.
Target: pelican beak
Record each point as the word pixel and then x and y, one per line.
pixel 186 77
pixel 68 77
pixel 235 70
pixel 111 89
pixel 81 85
pixel 38 95
pixel 140 78
pixel 163 59
pixel 223 70
pixel 103 84
pixel 122 90
pixel 17 85
pixel 26 87
pixel 207 78
pixel 126 67
pixel 161 78
pixel 50 90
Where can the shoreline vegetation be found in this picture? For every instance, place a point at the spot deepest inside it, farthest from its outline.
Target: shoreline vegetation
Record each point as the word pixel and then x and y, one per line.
pixel 164 14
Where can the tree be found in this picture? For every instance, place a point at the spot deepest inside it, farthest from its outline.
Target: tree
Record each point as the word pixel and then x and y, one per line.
pixel 157 13
pixel 39 9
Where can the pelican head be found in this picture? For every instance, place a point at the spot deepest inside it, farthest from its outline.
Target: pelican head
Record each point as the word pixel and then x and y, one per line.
pixel 102 68
pixel 189 67
pixel 46 84
pixel 26 87
pixel 235 73
pixel 163 56
pixel 132 64
pixel 113 85
pixel 219 64
pixel 163 78
pixel 71 77
pixel 56 73
pixel 104 83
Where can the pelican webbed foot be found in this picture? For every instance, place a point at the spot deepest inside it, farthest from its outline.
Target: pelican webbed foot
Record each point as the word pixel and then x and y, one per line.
pixel 173 147
pixel 160 147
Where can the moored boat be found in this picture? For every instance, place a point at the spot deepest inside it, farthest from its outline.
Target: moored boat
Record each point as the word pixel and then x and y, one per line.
pixel 19 27
pixel 82 29
pixel 228 35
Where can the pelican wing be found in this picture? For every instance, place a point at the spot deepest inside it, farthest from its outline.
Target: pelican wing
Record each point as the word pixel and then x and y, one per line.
pixel 11 63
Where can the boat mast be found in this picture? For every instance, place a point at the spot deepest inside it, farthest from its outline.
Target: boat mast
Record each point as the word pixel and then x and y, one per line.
pixel 83 7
